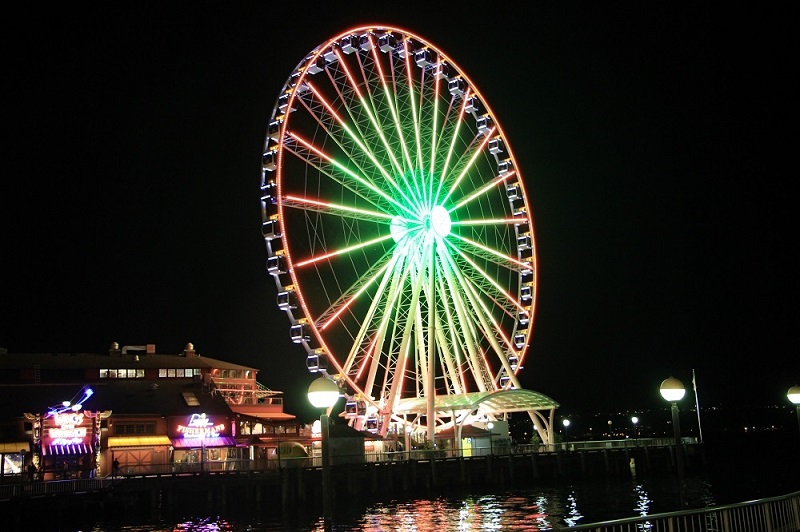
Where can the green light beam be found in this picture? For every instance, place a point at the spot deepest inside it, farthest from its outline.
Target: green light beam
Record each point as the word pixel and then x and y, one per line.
pixel 343 251
pixel 488 186
pixel 347 171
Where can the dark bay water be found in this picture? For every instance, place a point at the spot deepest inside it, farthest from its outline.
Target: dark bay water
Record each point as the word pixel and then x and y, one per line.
pixel 546 507
pixel 736 471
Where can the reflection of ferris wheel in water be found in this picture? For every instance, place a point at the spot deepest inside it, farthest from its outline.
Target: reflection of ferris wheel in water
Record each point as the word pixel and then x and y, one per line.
pixel 396 224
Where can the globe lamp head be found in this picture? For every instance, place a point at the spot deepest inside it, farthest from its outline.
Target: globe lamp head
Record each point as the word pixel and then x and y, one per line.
pixel 323 393
pixel 672 389
pixel 794 395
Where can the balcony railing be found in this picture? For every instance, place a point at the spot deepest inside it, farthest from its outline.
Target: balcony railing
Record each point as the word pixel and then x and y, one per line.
pixel 775 514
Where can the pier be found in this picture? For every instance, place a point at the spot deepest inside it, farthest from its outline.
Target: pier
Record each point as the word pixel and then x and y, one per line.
pixel 291 482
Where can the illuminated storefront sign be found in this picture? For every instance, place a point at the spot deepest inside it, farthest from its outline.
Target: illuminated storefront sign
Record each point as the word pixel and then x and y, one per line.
pixel 200 426
pixel 68 430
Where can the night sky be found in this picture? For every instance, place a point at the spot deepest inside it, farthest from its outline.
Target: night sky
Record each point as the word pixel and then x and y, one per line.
pixel 654 141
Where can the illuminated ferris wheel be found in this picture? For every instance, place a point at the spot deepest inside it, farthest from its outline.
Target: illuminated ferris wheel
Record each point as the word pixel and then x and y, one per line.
pixel 396 224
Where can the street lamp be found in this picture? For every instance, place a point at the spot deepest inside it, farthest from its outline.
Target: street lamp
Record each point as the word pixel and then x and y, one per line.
pixel 635 420
pixel 323 393
pixel 673 391
pixel 794 396
pixel 566 432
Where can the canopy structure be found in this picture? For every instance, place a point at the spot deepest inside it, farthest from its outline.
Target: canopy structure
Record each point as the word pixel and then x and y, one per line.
pixel 540 407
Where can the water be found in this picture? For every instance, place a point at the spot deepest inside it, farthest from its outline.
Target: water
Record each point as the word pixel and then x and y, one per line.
pixel 546 507
pixel 737 471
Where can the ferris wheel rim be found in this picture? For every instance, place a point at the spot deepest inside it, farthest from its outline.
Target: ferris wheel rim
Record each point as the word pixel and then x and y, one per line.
pixel 298 76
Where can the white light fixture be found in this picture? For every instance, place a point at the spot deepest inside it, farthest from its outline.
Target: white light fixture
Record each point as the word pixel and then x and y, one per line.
pixel 794 395
pixel 566 422
pixel 672 389
pixel 323 393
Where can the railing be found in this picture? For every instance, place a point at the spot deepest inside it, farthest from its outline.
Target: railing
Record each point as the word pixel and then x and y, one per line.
pixel 380 456
pixel 775 514
pixel 39 489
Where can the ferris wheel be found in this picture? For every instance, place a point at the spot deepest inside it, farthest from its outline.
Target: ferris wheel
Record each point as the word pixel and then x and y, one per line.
pixel 396 223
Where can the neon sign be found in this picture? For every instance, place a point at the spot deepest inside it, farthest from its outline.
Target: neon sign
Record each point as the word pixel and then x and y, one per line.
pixel 200 426
pixel 69 430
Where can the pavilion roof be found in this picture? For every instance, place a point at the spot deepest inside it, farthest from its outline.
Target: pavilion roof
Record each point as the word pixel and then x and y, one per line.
pixel 491 401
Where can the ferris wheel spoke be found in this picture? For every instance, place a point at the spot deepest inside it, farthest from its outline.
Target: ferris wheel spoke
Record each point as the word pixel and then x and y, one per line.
pixel 371 109
pixel 452 339
pixel 323 164
pixel 352 175
pixel 484 319
pixel 464 322
pixel 371 320
pixel 468 160
pixel 434 122
pixel 391 103
pixel 483 222
pixel 395 383
pixel 499 298
pixel 352 135
pixel 481 192
pixel 492 255
pixel 367 104
pixel 355 291
pixel 454 138
pixel 446 342
pixel 491 288
pixel 342 251
pixel 352 213
pixel 412 99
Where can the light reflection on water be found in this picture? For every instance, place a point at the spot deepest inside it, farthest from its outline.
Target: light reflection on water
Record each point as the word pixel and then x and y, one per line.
pixel 543 508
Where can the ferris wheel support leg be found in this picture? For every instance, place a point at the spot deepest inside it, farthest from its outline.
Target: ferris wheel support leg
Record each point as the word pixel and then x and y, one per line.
pixel 431 348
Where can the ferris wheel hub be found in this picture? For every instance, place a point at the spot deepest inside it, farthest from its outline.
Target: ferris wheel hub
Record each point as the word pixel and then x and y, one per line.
pixel 440 221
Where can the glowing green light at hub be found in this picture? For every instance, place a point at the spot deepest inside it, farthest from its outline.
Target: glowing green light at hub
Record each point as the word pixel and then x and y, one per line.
pixel 440 221
pixel 398 228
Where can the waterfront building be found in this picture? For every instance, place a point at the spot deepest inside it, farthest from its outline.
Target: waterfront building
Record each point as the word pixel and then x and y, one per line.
pixel 76 415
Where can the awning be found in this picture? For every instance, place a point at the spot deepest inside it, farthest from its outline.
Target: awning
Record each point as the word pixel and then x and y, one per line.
pixel 197 443
pixel 66 450
pixel 137 441
pixel 260 416
pixel 15 447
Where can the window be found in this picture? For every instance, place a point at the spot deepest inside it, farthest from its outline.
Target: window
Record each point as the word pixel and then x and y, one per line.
pixel 134 428
pixel 178 372
pixel 122 373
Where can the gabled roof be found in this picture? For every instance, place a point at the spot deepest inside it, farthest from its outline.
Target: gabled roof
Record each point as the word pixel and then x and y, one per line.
pixel 123 396
pixel 95 361
pixel 491 401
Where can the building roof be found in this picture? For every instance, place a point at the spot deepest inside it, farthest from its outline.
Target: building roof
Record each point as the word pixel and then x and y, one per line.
pixel 491 401
pixel 123 396
pixel 108 361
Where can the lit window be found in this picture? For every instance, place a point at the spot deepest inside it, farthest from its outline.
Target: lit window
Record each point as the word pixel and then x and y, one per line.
pixel 162 373
pixel 170 373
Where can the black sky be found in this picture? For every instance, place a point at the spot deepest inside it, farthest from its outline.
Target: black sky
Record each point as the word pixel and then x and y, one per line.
pixel 657 143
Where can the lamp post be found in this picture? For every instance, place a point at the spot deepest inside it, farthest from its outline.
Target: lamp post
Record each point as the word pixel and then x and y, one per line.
pixel 635 421
pixel 794 397
pixel 323 393
pixel 673 391
pixel 566 431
